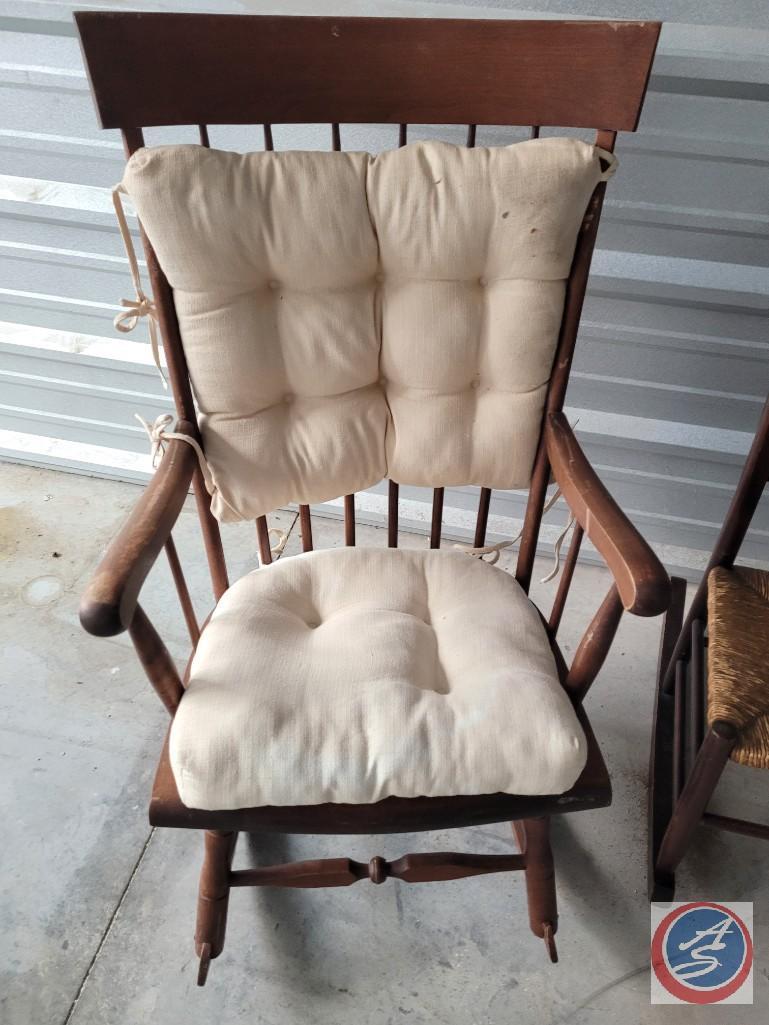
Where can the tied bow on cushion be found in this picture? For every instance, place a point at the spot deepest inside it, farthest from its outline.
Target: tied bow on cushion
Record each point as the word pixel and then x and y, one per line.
pixel 142 305
pixel 158 433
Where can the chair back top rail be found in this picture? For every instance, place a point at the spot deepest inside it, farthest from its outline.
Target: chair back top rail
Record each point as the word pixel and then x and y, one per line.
pixel 151 69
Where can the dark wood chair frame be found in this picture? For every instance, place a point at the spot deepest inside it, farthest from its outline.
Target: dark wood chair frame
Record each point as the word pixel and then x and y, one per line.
pixel 159 69
pixel 687 760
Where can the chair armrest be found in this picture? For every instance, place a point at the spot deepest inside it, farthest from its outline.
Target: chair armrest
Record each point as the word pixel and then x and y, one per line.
pixel 642 583
pixel 109 601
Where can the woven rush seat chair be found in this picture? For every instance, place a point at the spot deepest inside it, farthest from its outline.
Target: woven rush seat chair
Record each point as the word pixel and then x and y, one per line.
pixel 738 659
pixel 712 686
pixel 331 320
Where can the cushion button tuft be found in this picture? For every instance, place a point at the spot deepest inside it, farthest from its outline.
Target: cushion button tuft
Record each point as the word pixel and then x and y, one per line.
pixel 288 398
pixel 379 278
pixel 482 282
pixel 273 284
pixel 476 382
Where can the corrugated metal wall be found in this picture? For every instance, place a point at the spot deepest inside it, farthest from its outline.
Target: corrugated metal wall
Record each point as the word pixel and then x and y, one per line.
pixel 673 359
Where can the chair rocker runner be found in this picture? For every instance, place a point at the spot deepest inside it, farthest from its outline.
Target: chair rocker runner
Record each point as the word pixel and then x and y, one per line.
pixel 341 319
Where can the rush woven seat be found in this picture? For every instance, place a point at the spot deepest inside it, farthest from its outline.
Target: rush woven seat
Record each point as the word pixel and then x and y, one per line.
pixel 738 659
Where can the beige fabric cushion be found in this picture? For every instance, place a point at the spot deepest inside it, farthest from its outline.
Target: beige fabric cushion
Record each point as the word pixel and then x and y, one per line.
pixel 272 259
pixel 475 246
pixel 347 318
pixel 350 675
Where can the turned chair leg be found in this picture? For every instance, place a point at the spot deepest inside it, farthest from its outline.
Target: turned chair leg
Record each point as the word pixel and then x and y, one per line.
pixel 533 837
pixel 213 898
pixel 697 791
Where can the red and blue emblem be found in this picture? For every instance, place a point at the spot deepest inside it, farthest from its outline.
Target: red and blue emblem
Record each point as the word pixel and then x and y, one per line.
pixel 702 952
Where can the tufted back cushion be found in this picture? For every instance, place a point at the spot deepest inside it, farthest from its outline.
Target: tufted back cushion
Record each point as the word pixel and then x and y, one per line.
pixel 347 318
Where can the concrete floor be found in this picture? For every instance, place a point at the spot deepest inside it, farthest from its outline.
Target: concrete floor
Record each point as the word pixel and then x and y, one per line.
pixel 97 909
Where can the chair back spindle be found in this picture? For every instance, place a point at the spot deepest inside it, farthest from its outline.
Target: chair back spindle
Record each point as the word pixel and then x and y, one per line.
pixel 559 602
pixel 349 520
pixel 436 526
pixel 305 526
pixel 182 591
pixel 263 538
pixel 482 519
pixel 392 514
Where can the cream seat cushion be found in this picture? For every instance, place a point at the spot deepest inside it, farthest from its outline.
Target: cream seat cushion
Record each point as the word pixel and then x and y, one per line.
pixel 350 675
pixel 347 318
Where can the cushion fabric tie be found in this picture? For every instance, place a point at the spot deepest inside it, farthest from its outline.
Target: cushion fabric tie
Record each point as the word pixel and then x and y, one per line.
pixel 557 552
pixel 610 160
pixel 159 435
pixel 494 550
pixel 277 549
pixel 142 305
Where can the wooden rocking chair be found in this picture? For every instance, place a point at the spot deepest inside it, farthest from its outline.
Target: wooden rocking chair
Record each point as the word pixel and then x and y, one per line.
pixel 158 69
pixel 712 686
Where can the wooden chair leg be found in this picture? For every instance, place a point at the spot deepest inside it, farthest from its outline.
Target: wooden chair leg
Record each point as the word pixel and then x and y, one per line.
pixel 697 791
pixel 534 841
pixel 213 898
pixel 661 755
